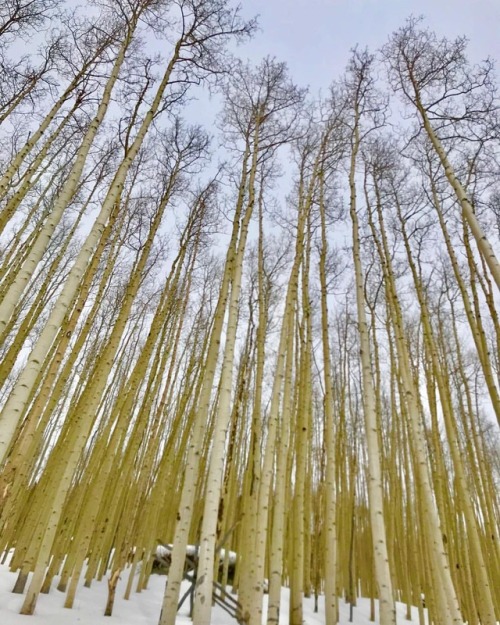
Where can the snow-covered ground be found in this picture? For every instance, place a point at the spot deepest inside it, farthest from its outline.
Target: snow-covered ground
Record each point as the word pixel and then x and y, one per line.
pixel 142 608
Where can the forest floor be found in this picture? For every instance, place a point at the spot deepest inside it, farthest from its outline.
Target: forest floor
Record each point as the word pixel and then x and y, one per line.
pixel 144 608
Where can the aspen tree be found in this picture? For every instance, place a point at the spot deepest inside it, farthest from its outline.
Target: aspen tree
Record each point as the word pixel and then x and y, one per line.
pixel 282 378
pixel 18 248
pixel 390 482
pixel 228 515
pixel 22 459
pixel 448 607
pixel 361 87
pixel 93 392
pixel 108 467
pixel 99 463
pixel 49 281
pixel 139 420
pixel 185 512
pixel 194 52
pixel 480 564
pixel 79 429
pixel 330 504
pixel 34 173
pixel 167 463
pixel 314 154
pixel 479 275
pixel 406 557
pixel 91 59
pixel 416 578
pixel 340 396
pixel 63 239
pixel 434 590
pixel 463 494
pixel 50 391
pixel 271 104
pixel 301 442
pixel 67 192
pixel 130 499
pixel 471 564
pixel 43 297
pixel 21 17
pixel 203 595
pixel 41 540
pixel 276 557
pixel 21 82
pixel 435 77
pixel 213 25
pixel 271 256
pixel 317 469
pixel 330 511
pixel 474 321
pixel 487 346
pixel 475 449
pixel 253 463
pixel 351 515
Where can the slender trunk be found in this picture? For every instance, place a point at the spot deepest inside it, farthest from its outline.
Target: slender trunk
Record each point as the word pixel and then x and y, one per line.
pixel 19 396
pixel 483 244
pixel 375 488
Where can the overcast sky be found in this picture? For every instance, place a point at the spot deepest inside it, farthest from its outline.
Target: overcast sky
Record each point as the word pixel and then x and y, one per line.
pixel 315 36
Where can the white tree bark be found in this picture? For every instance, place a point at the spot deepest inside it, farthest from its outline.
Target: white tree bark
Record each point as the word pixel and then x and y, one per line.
pixel 64 198
pixel 16 403
pixel 375 486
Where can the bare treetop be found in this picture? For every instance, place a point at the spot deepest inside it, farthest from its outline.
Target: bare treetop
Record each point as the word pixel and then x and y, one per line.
pixel 19 17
